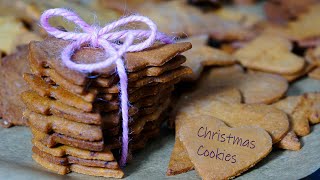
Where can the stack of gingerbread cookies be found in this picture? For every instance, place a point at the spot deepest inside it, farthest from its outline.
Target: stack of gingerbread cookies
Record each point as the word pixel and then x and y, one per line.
pixel 74 116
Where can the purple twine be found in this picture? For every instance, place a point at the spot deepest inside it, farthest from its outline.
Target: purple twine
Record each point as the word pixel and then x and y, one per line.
pixel 106 38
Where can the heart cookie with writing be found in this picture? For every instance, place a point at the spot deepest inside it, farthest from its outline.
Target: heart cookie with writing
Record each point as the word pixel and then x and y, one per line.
pixel 220 152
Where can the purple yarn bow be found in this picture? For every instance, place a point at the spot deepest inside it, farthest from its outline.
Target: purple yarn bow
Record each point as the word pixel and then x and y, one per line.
pixel 106 38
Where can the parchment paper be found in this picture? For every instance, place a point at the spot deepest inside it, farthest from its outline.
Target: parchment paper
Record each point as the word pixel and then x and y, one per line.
pixel 151 162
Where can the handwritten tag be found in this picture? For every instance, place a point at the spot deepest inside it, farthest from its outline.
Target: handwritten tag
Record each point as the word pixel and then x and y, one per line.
pixel 221 152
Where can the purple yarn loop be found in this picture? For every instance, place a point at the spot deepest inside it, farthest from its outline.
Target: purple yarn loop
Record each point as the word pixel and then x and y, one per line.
pixel 106 38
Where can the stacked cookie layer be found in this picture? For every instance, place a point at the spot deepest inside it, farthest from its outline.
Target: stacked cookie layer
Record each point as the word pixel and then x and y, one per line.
pixel 74 116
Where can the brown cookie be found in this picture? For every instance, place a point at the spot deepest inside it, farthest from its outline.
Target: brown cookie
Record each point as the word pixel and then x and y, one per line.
pixel 63 161
pixel 112 90
pixel 225 95
pixel 93 163
pixel 204 91
pixel 64 150
pixel 107 106
pixel 59 169
pixel 258 115
pixel 139 124
pixel 84 91
pixel 157 70
pixel 202 137
pixel 151 109
pixel 47 54
pixel 12 84
pixel 67 160
pixel 270 53
pixel 314 106
pixel 107 97
pixel 202 55
pixel 163 78
pixel 15 34
pixel 255 88
pixel 216 104
pixel 290 142
pixel 179 159
pixel 53 139
pixel 315 74
pixel 305 27
pixel 97 81
pixel 48 124
pixel 307 68
pixel 138 141
pixel 93 171
pixel 151 90
pixel 247 19
pixel 312 55
pixel 52 77
pixel 44 89
pixel 46 106
pixel 56 79
pixel 298 111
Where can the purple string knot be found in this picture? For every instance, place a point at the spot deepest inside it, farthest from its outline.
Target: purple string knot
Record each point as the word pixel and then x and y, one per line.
pixel 106 38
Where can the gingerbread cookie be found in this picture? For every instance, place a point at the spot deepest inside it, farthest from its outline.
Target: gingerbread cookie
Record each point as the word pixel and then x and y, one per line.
pixel 12 68
pixel 270 53
pixel 201 55
pixel 48 124
pixel 15 34
pixel 63 150
pixel 53 139
pixel 315 73
pixel 214 155
pixel 305 27
pixel 298 116
pixel 252 86
pixel 68 160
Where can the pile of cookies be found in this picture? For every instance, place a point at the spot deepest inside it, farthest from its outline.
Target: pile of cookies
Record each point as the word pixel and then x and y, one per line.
pixel 242 65
pixel 75 118
pixel 241 93
pixel 230 100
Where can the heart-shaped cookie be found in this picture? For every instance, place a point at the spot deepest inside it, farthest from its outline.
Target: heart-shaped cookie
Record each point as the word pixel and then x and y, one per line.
pixel 255 88
pixel 221 152
pixel 238 115
pixel 270 53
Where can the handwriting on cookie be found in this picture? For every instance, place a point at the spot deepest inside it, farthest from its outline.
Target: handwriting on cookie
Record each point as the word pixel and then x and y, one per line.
pixel 221 154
